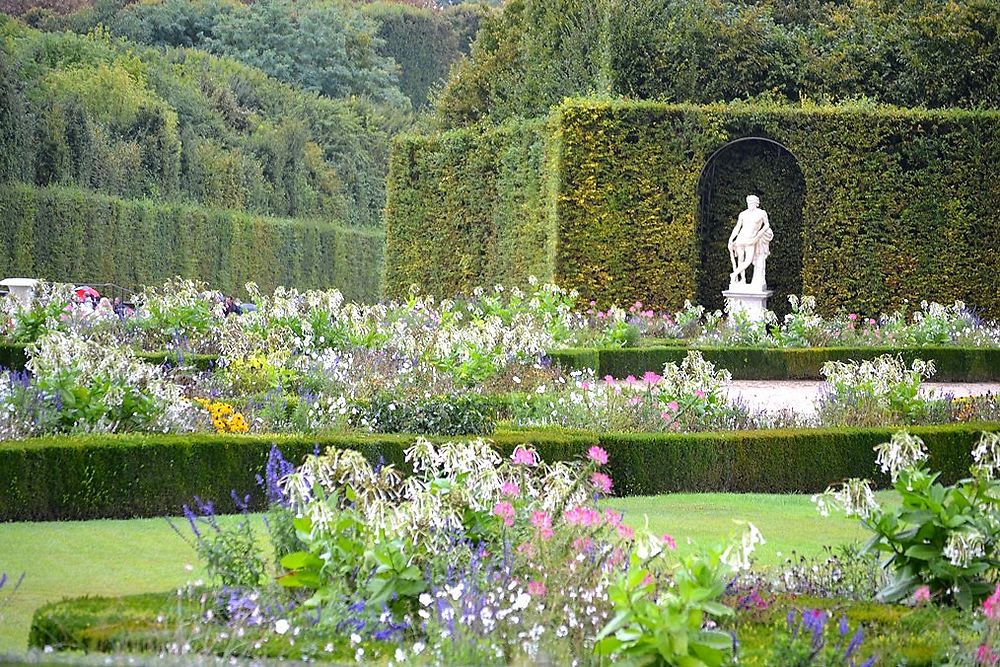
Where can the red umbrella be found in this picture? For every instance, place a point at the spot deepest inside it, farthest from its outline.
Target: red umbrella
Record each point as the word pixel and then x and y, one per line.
pixel 87 290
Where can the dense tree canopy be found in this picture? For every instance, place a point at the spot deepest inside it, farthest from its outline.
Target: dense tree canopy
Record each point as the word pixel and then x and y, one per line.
pixel 933 53
pixel 181 125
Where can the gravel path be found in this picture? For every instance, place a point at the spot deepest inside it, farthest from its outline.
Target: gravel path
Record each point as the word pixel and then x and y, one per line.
pixel 801 396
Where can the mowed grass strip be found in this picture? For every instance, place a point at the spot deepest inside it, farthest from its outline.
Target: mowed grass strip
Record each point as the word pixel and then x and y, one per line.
pixel 110 558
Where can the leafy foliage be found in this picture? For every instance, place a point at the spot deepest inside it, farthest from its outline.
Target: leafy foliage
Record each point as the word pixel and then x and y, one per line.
pixel 183 126
pixel 941 536
pixel 537 52
pixel 321 46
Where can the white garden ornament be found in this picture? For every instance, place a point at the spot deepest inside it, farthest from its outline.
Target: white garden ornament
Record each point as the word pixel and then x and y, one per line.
pixel 749 245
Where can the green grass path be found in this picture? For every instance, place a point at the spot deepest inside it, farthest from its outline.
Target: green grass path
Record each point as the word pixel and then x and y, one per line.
pixel 71 559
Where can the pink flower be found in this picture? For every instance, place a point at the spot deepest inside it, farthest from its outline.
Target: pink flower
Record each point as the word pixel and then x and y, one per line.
pixel 536 588
pixel 582 516
pixel 540 520
pixel 991 605
pixel 871 321
pixel 669 541
pixel 922 595
pixel 593 303
pixel 524 456
pixel 638 304
pixel 852 317
pixel 609 380
pixel 634 400
pixel 666 416
pixel 526 548
pixel 505 511
pixel 582 543
pixel 647 580
pixel 649 377
pixel 625 531
pixel 510 489
pixel 601 481
pixel 585 385
pixel 600 315
pixel 612 518
pixel 598 455
pixel 699 393
pixel 673 406
pixel 630 379
pixel 985 655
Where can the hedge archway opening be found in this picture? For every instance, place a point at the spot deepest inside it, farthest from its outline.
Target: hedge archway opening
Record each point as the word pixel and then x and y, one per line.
pixel 768 169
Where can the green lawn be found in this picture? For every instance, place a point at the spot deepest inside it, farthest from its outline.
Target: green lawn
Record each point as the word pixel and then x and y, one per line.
pixel 70 559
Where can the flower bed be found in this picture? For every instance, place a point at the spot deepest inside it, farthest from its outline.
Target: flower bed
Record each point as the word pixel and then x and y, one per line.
pixel 138 622
pixel 101 476
pixel 471 557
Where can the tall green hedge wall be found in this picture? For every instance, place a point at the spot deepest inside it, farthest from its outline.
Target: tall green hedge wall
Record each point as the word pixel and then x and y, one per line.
pixel 223 173
pixel 898 204
pixel 468 208
pixel 62 233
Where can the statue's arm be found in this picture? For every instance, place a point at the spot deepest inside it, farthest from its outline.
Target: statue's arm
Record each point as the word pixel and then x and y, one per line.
pixel 736 230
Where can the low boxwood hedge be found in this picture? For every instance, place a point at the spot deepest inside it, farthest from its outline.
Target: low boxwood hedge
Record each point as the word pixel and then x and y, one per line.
pixel 14 356
pixel 102 476
pixel 144 623
pixel 954 364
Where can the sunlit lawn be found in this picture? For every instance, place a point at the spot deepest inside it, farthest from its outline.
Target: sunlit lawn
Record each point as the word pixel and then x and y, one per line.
pixel 70 559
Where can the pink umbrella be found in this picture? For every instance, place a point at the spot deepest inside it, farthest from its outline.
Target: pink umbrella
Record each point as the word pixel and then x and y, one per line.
pixel 86 290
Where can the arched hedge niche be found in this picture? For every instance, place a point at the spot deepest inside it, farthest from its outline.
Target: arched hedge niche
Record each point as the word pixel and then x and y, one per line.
pixel 760 166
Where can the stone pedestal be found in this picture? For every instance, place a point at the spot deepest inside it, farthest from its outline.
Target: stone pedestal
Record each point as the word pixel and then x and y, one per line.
pixel 21 289
pixel 750 301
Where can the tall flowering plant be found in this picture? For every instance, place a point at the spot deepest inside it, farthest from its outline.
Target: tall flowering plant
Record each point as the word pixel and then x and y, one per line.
pixel 940 541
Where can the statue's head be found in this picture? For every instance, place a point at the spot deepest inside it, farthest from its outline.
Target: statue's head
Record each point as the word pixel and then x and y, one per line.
pixel 753 201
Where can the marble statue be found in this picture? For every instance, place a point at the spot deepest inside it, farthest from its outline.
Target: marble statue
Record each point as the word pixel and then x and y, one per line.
pixel 749 246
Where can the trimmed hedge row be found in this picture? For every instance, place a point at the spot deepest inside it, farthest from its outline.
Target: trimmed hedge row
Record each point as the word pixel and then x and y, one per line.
pixel 13 356
pixel 59 233
pixel 100 476
pixel 953 364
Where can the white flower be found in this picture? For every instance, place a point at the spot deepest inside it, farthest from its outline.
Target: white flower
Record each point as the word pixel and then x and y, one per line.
pixel 855 498
pixel 425 599
pixel 522 601
pixel 281 626
pixel 987 454
pixel 965 547
pixel 355 638
pixel 903 451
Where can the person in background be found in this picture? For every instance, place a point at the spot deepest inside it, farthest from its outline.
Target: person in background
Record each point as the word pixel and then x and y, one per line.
pixel 231 307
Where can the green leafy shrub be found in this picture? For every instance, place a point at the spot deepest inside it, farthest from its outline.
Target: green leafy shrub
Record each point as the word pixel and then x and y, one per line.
pixel 461 414
pixel 940 536
pixel 669 629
